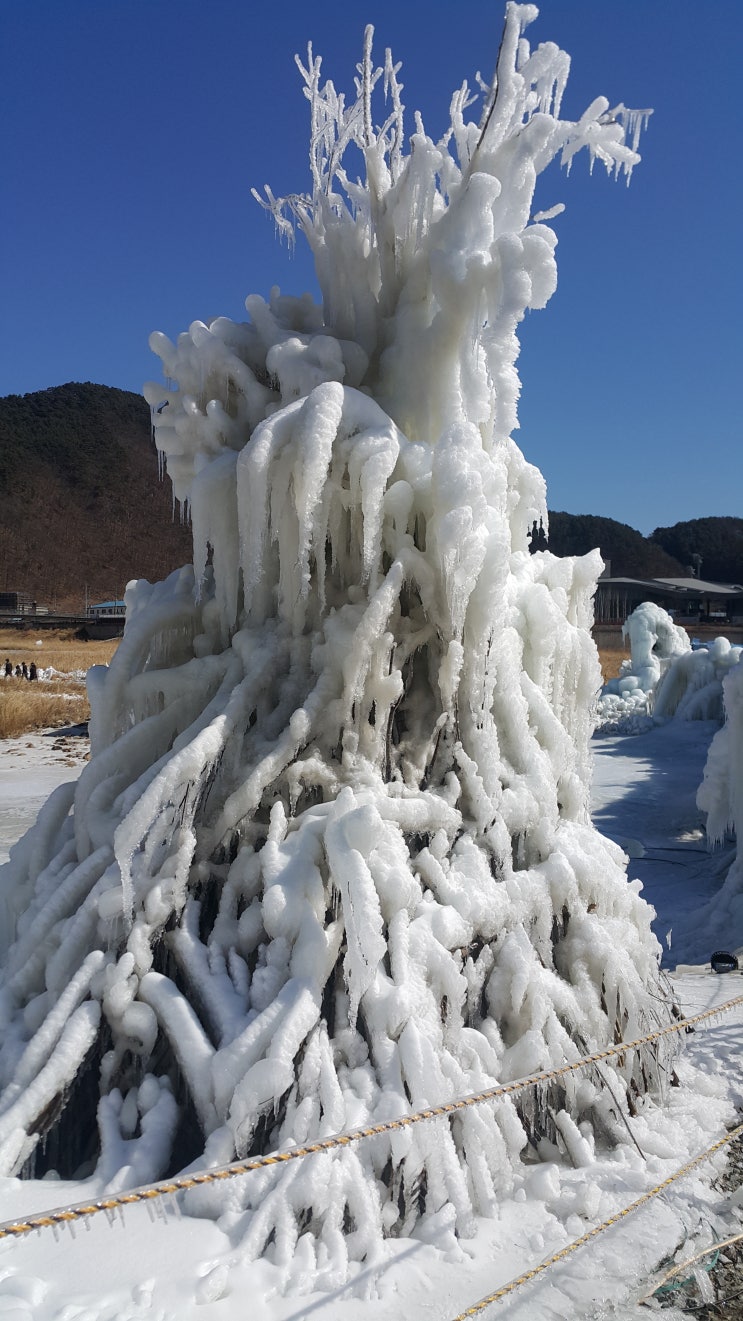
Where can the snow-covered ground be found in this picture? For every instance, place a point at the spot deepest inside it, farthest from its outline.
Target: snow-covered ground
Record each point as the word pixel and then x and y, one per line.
pixel 171 1263
pixel 30 767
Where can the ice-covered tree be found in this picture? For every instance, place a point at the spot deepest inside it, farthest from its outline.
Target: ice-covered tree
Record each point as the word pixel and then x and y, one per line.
pixel 331 858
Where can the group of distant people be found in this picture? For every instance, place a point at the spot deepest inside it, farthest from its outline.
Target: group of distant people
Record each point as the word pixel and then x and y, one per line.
pixel 22 671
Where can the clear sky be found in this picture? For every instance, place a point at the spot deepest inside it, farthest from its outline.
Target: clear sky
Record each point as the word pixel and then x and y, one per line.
pixel 133 130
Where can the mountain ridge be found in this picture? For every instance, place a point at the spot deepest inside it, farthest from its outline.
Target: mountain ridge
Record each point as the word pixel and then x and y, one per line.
pixel 82 504
pixel 84 507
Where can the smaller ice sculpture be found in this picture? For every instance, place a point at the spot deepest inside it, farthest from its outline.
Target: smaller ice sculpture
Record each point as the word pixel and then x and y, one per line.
pixel 664 676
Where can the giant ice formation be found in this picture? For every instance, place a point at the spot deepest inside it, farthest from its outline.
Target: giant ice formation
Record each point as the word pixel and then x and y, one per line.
pixel 720 796
pixel 331 858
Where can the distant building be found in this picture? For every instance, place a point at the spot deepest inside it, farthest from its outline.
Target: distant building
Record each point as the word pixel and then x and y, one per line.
pixel 16 603
pixel 107 610
pixel 690 599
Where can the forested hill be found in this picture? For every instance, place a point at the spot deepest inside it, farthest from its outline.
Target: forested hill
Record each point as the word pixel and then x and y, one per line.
pixel 630 554
pixel 711 547
pixel 81 500
pixel 718 542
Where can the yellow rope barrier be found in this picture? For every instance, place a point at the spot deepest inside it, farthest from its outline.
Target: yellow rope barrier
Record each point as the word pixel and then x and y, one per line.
pixel 556 1257
pixel 65 1215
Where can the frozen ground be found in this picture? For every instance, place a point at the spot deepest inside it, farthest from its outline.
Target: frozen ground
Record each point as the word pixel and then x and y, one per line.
pixel 175 1265
pixel 30 767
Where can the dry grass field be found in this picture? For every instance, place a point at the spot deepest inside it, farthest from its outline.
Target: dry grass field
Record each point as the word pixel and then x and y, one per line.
pixel 611 659
pixel 50 702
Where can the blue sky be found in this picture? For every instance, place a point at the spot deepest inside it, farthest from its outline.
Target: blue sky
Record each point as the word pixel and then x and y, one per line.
pixel 133 131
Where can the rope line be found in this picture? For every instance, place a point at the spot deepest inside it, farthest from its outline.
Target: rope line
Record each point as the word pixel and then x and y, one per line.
pixel 556 1257
pixel 77 1211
